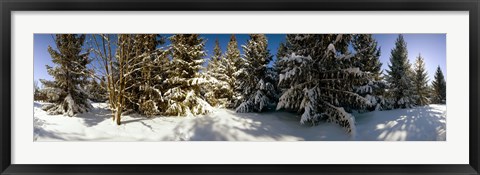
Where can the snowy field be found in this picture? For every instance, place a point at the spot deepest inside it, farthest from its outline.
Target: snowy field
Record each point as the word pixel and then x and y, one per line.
pixel 421 123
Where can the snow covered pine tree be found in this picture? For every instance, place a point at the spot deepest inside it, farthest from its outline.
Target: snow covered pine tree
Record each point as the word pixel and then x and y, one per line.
pixel 96 92
pixel 439 91
pixel 145 95
pixel 367 58
pixel 420 82
pixel 218 90
pixel 400 76
pixel 284 50
pixel 65 91
pixel 232 62
pixel 254 79
pixel 281 52
pixel 183 92
pixel 319 79
pixel 157 63
pixel 38 94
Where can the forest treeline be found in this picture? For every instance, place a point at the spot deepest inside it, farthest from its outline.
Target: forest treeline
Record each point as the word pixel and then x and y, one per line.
pixel 319 76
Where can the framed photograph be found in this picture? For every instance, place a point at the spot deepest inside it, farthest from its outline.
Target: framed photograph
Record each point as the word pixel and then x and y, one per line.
pixel 233 87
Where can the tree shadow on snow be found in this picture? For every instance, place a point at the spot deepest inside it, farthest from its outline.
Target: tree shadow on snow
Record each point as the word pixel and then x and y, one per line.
pixel 277 125
pixel 265 126
pixel 212 127
pixel 95 116
pixel 37 105
pixel 39 131
pixel 59 136
pixel 417 124
pixel 134 117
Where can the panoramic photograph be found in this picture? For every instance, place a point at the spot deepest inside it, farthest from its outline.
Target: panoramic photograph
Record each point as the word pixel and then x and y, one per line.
pixel 239 87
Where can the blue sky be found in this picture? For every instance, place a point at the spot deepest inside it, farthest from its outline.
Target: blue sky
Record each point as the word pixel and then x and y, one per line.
pixel 432 47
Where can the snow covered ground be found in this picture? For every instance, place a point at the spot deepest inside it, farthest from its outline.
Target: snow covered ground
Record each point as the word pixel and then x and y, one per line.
pixel 422 123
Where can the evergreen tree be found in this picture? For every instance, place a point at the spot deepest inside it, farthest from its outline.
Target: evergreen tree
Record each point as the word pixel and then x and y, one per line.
pixel 216 57
pixel 233 63
pixel 140 91
pixel 35 86
pixel 367 59
pixel 183 91
pixel 281 53
pixel 70 74
pixel 38 94
pixel 439 88
pixel 254 80
pixel 218 90
pixel 96 91
pixel 400 76
pixel 285 50
pixel 278 65
pixel 319 79
pixel 421 82
pixel 157 65
pixel 282 50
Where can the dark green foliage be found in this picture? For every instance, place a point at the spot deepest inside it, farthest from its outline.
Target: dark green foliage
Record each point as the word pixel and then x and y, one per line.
pixel 367 59
pixel 38 95
pixel 233 63
pixel 219 91
pixel 319 80
pixel 140 92
pixel 70 74
pixel 255 81
pixel 400 76
pixel 184 79
pixel 97 92
pixel 439 88
pixel 420 82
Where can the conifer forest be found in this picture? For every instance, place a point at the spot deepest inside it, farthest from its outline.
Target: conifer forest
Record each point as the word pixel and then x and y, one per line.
pixel 238 87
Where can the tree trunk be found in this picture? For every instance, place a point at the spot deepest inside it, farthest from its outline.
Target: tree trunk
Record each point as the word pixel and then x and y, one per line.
pixel 118 115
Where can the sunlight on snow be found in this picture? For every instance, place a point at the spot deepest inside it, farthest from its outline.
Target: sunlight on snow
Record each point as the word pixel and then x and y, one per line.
pixel 422 123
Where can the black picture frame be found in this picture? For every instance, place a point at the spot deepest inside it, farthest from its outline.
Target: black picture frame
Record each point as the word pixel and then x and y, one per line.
pixel 8 6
